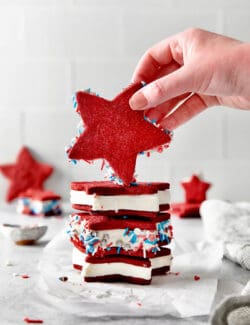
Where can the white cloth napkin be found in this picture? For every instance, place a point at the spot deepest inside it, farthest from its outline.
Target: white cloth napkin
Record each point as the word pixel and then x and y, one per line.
pixel 234 310
pixel 229 222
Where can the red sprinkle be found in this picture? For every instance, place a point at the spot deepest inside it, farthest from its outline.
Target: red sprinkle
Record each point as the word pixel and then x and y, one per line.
pixel 33 321
pixel 196 278
pixel 25 276
pixel 103 164
pixel 139 304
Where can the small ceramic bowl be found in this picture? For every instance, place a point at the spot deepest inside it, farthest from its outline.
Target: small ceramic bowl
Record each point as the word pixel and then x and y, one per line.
pixel 23 235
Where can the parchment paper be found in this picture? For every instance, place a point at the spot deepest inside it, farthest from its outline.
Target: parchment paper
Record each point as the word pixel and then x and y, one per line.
pixel 178 295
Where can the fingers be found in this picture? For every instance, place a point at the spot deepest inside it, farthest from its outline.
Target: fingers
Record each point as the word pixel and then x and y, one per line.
pixel 191 107
pixel 156 114
pixel 159 91
pixel 150 63
pixel 171 67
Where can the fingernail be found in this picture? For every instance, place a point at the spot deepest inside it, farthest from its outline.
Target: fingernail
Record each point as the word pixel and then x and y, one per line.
pixel 138 101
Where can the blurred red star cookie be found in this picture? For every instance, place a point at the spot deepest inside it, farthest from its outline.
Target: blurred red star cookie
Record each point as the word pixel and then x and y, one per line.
pixel 195 189
pixel 114 132
pixel 26 173
pixel 195 193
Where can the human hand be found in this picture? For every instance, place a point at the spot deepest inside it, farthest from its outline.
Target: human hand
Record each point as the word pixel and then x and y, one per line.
pixel 195 69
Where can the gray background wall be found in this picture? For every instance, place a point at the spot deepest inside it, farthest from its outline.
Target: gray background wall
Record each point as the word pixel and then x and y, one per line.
pixel 50 48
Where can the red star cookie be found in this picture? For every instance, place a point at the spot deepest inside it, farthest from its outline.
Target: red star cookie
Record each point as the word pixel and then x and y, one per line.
pixel 195 189
pixel 114 132
pixel 26 173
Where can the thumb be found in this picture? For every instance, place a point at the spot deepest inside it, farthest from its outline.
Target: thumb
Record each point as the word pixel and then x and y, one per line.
pixel 163 89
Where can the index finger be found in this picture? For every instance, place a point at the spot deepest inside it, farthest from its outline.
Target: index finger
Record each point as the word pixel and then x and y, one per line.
pixel 153 60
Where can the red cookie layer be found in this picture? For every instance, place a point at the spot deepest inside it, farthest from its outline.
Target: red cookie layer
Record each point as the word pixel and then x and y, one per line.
pixel 164 251
pixel 114 132
pixel 186 210
pixel 109 188
pixel 40 195
pixel 146 214
pixel 104 222
pixel 117 278
pixel 137 261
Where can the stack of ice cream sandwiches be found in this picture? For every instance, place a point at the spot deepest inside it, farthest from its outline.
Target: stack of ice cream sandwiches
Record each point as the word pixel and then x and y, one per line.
pixel 120 233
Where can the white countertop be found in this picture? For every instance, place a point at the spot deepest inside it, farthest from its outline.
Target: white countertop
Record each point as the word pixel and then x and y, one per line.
pixel 18 299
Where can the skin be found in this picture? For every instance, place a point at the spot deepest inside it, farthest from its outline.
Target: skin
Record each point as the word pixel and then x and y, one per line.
pixel 195 69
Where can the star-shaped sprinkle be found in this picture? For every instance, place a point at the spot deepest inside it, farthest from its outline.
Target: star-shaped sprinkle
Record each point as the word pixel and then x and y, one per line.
pixel 195 189
pixel 26 173
pixel 114 132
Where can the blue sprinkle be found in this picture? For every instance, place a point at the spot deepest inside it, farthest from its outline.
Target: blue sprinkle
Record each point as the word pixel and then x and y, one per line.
pixel 134 184
pixel 154 249
pixel 91 241
pixel 143 83
pixel 133 238
pixel 118 250
pixel 80 130
pixel 126 230
pixel 89 249
pixel 26 201
pixel 169 132
pixel 147 241
pixel 108 248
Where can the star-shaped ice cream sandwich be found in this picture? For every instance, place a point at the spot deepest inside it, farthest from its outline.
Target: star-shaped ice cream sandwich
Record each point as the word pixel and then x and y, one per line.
pixel 26 173
pixel 114 132
pixel 195 193
pixel 195 189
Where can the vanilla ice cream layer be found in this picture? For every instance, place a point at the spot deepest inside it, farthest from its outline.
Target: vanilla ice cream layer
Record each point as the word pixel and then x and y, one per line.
pixel 143 202
pixel 124 269
pixel 161 261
